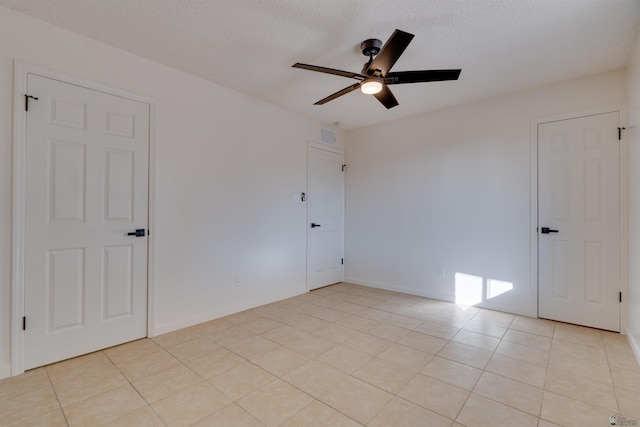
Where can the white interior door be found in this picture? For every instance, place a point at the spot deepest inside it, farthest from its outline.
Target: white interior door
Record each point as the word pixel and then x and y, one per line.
pixel 326 218
pixel 86 188
pixel 579 196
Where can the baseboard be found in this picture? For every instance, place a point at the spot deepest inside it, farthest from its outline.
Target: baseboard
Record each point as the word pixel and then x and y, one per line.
pixel 205 317
pixel 394 288
pixel 440 297
pixel 5 371
pixel 634 341
pixel 387 287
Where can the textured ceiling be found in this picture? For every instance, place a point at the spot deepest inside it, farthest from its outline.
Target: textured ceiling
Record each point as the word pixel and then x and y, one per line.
pixel 502 46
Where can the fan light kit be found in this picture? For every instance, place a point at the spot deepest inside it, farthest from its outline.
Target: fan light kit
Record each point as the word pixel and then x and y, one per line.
pixel 371 86
pixel 375 76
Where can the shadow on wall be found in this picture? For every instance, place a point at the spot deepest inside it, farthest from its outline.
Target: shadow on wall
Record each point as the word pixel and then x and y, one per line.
pixel 472 290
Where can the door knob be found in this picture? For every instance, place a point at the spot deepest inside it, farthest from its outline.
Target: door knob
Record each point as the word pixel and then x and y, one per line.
pixel 138 233
pixel 547 230
pixel 314 225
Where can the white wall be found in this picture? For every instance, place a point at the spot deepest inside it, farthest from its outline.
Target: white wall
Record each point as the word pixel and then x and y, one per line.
pixel 452 189
pixel 633 132
pixel 226 168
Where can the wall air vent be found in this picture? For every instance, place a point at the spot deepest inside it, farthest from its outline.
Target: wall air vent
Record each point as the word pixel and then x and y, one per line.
pixel 327 136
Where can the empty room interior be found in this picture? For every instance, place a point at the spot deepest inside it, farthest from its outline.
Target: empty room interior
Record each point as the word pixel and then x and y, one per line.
pixel 213 214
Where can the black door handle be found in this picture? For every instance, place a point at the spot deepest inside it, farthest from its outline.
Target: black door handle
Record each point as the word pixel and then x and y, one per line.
pixel 314 225
pixel 138 233
pixel 547 230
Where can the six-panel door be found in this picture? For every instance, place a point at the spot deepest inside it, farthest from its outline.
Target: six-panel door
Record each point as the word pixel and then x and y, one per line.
pixel 86 189
pixel 579 196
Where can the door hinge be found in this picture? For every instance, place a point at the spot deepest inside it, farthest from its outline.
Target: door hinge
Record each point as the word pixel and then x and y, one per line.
pixel 620 133
pixel 26 101
pixel 619 296
pixel 342 261
pixel 24 323
pixel 344 167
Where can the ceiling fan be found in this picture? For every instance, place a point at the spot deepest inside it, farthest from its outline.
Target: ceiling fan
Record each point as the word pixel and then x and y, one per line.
pixel 375 76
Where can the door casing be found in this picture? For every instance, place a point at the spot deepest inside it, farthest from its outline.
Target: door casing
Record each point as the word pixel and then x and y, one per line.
pixel 533 168
pixel 21 69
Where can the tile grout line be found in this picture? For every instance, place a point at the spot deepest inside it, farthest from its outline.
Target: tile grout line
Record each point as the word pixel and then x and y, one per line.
pixel 55 392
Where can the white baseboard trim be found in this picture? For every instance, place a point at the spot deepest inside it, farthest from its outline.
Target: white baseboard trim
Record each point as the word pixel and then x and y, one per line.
pixel 389 287
pixel 634 341
pixel 5 371
pixel 205 317
pixel 440 297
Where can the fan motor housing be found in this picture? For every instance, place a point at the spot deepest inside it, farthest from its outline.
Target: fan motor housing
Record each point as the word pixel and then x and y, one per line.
pixel 370 47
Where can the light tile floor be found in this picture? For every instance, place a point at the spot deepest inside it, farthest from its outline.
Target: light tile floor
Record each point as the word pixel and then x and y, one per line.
pixel 344 355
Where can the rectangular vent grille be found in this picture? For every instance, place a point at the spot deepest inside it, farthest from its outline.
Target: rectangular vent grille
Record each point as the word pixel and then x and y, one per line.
pixel 327 137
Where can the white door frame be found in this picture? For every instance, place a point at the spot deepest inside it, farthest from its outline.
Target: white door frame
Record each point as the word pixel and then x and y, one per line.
pixel 331 149
pixel 21 69
pixel 624 200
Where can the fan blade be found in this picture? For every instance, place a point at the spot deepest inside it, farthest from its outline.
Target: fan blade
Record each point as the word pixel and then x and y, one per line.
pixel 326 70
pixel 390 52
pixel 339 93
pixel 421 76
pixel 385 96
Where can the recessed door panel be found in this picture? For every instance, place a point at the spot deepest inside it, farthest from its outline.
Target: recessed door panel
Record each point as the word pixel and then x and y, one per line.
pixel 67 181
pixel 119 124
pixel 559 142
pixel 117 280
pixel 592 138
pixel 592 171
pixel 120 186
pixel 64 113
pixel 560 178
pixel 559 262
pixel 65 289
pixel 593 263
